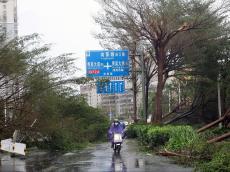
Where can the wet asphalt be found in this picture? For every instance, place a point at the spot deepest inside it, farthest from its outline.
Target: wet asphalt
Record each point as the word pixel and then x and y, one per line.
pixel 97 158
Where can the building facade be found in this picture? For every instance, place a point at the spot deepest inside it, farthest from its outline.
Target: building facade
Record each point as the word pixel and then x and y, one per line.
pixel 115 105
pixel 8 18
pixel 8 31
pixel 89 92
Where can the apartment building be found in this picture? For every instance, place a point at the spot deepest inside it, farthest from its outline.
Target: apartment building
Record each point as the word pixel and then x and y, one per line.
pixel 8 18
pixel 8 31
pixel 89 92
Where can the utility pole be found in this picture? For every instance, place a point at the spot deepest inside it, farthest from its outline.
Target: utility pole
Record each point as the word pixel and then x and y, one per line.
pixel 219 99
pixel 143 86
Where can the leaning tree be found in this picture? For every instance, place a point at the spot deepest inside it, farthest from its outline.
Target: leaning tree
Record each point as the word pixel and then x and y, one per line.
pixel 170 27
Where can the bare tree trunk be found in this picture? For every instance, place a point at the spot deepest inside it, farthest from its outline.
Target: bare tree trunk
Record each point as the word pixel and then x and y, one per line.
pixel 211 124
pixel 219 138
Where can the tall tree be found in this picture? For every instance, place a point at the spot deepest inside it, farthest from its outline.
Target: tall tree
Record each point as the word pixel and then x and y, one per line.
pixel 24 68
pixel 140 57
pixel 170 26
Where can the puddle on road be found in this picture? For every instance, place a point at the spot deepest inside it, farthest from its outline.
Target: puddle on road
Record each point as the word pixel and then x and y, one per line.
pixel 118 165
pixel 97 159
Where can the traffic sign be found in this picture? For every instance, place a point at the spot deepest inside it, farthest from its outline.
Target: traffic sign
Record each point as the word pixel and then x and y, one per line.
pixel 111 87
pixel 107 63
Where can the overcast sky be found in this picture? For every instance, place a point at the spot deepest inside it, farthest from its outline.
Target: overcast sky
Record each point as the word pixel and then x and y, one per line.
pixel 67 24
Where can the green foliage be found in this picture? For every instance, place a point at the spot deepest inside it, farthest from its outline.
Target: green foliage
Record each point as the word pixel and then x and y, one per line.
pixel 73 124
pixel 60 140
pixel 206 157
pixel 182 137
pixel 37 89
pixel 158 136
pixel 131 131
pixel 172 137
pixel 220 161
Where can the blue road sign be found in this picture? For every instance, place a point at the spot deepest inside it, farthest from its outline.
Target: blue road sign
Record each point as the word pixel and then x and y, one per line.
pixel 111 87
pixel 107 63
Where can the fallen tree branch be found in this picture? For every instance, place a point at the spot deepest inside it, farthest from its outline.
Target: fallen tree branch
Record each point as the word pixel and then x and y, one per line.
pixel 169 153
pixel 219 138
pixel 195 105
pixel 211 124
pixel 174 110
pixel 225 116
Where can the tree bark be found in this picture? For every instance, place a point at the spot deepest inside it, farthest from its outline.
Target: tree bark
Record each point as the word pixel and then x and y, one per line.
pixel 211 124
pixel 160 86
pixel 158 104
pixel 169 153
pixel 219 138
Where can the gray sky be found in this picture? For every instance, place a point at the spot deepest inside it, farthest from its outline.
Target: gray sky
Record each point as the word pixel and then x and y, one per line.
pixel 67 24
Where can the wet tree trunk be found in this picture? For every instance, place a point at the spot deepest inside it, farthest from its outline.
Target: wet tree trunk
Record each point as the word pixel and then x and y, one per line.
pixel 158 104
pixel 160 86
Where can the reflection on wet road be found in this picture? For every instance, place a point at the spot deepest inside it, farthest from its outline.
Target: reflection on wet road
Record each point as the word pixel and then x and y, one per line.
pixel 99 158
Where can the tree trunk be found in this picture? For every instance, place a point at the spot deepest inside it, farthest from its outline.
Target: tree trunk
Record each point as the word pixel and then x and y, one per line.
pixel 160 54
pixel 219 138
pixel 211 124
pixel 159 94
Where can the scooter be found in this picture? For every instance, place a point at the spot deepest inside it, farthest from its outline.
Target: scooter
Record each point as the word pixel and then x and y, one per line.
pixel 117 141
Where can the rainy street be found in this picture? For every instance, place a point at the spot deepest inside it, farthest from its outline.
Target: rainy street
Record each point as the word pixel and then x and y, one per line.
pixel 99 157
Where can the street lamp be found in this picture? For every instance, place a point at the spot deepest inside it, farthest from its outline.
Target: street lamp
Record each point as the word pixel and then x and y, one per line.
pixel 220 62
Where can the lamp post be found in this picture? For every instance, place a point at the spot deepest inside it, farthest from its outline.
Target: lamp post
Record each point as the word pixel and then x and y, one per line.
pixel 220 62
pixel 219 98
pixel 143 86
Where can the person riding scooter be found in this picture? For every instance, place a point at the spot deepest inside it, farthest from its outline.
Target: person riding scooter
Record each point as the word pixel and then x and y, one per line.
pixel 116 127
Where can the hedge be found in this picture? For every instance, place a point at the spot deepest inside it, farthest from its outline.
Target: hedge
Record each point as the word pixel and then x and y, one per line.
pixel 174 138
pixel 184 139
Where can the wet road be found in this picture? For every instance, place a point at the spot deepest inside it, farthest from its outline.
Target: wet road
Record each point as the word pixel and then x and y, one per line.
pixel 99 158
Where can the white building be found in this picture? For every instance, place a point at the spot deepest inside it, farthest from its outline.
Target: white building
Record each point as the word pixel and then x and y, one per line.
pixel 8 29
pixel 89 91
pixel 8 18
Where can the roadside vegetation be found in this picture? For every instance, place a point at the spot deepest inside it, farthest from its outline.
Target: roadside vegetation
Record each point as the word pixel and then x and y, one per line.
pixel 184 143
pixel 182 49
pixel 38 89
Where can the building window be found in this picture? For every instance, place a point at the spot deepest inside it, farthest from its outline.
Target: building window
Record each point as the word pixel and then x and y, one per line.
pixel 15 19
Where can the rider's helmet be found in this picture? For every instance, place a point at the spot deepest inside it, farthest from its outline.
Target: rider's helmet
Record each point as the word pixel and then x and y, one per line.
pixel 116 122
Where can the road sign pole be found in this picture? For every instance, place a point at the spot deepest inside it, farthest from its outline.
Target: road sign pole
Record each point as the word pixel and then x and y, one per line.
pixel 143 87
